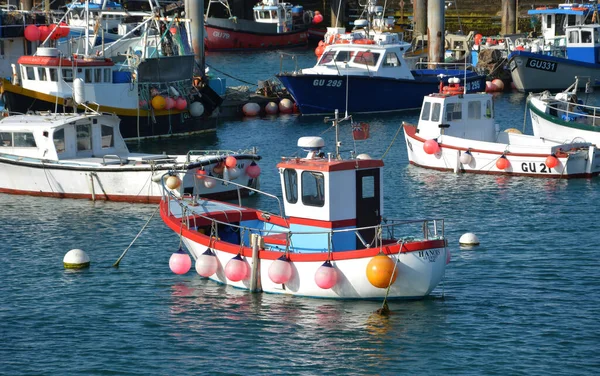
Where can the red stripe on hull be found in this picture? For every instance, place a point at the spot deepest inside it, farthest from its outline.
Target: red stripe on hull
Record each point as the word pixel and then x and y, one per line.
pixel 223 39
pixel 323 224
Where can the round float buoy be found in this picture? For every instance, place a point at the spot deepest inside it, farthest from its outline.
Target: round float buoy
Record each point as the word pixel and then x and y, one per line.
pixel 271 108
pixel 512 130
pixel 32 33
pixel 466 157
pixel 209 182
pixel 319 50
pixel 173 182
pixel 326 276
pixel 502 163
pixel 477 39
pixel 181 104
pixel 159 102
pixel 431 147
pixel 196 109
pixel 169 103
pixel 180 262
pixel 251 109
pixel 253 171
pixel 281 270
pixel 286 106
pixel 236 269
pixel 233 172
pixel 551 161
pixel 499 84
pixel 318 18
pixel 76 259
pixel 380 269
pixel 200 173
pixel 490 87
pixel 230 161
pixel 207 263
pixel 44 32
pixel 468 239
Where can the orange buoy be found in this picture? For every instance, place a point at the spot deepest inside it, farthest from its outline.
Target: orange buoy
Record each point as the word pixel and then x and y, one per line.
pixel 159 102
pixel 498 83
pixel 431 146
pixel 502 163
pixel 381 270
pixel 551 161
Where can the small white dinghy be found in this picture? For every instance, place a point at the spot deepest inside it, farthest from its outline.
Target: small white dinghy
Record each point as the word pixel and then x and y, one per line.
pixel 83 155
pixel 456 132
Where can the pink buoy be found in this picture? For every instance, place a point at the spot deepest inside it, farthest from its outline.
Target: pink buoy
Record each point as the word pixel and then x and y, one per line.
pixel 431 147
pixel 180 262
pixel 281 270
pixel 499 84
pixel 230 161
pixel 236 269
pixel 286 106
pixel 251 109
pixel 326 276
pixel 180 104
pixel 271 108
pixel 318 18
pixel 207 263
pixel 253 171
pixel 169 103
pixel 32 33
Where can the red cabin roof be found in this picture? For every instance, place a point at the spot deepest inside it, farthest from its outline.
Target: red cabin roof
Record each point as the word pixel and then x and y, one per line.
pixel 51 61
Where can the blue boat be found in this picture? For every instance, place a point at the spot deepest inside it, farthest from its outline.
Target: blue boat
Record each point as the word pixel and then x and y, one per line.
pixel 367 73
pixel 569 46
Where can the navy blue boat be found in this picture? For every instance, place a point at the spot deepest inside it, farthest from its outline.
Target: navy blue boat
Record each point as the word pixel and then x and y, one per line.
pixel 360 74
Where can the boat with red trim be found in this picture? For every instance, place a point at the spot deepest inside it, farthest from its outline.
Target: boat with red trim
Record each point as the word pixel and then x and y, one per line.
pixel 332 241
pixel 456 132
pixel 275 25
pixel 83 155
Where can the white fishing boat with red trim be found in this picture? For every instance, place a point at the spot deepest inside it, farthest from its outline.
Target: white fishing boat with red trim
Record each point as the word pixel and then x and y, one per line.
pixel 456 132
pixel 83 155
pixel 332 241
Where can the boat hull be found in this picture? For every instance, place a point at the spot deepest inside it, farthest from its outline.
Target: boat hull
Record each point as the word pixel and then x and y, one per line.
pixel 323 94
pixel 533 71
pixel 234 37
pixel 525 159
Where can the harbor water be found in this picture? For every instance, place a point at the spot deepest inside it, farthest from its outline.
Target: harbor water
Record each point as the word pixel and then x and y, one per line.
pixel 523 302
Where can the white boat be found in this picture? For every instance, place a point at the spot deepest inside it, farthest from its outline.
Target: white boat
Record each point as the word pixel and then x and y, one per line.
pixel 83 155
pixel 332 241
pixel 562 117
pixel 456 132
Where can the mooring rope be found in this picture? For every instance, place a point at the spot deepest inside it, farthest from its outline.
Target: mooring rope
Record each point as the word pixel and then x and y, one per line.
pixel 116 264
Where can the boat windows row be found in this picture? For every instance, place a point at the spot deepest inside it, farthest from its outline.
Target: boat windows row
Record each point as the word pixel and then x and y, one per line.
pixel 17 139
pixel 83 132
pixel 89 75
pixel 312 186
pixel 367 58
pixel 432 111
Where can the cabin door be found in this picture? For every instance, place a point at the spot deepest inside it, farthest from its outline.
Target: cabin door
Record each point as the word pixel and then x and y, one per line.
pixel 368 202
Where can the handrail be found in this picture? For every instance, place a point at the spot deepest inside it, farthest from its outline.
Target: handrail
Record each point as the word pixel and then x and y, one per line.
pixel 220 152
pixel 464 66
pixel 291 56
pixel 112 156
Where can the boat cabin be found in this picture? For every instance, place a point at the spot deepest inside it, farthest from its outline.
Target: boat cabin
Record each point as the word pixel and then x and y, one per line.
pixel 56 137
pixel 321 192
pixel 555 20
pixel 583 43
pixel 274 12
pixel 468 116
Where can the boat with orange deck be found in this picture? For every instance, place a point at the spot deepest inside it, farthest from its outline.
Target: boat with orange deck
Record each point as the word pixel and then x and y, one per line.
pixel 332 241
pixel 457 132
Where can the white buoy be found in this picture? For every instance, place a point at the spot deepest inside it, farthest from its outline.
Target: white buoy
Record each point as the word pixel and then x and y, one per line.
pixel 271 108
pixel 76 259
pixel 363 156
pixel 468 239
pixel 251 109
pixel 196 109
pixel 286 106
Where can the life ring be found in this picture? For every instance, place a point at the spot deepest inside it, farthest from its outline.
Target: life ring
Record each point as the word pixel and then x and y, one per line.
pixel 453 89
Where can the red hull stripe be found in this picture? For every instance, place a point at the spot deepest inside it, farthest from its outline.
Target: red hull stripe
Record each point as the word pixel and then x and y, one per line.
pixel 323 224
pixel 175 225
pixel 217 38
pixel 49 61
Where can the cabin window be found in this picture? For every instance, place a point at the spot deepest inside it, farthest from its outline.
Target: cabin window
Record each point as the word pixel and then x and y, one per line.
pixel 586 36
pixel 453 111
pixel 24 140
pixel 574 36
pixel 59 140
pixel 41 73
pixel 53 74
pixel 107 75
pixel 391 60
pixel 474 110
pixel 368 186
pixel 426 111
pixel 366 58
pixel 108 137
pixel 327 57
pixel 67 75
pixel 29 74
pixel 435 114
pixel 571 20
pixel 290 180
pixel 560 20
pixel 5 139
pixel 313 188
pixel 87 75
pixel 84 137
pixel 344 56
pixel 98 75
pixel 488 109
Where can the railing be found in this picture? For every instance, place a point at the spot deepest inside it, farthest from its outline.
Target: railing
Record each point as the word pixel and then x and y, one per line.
pixel 448 66
pixel 112 156
pixel 291 56
pixel 222 152
pixel 573 111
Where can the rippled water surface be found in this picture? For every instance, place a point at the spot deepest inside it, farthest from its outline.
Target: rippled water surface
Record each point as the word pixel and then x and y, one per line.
pixel 524 302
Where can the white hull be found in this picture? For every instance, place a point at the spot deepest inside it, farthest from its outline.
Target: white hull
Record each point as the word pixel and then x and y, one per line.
pixel 526 154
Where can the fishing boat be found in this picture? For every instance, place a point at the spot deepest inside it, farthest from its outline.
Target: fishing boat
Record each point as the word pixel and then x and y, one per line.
pixel 456 132
pixel 567 47
pixel 151 87
pixel 332 241
pixel 366 72
pixel 563 117
pixel 275 25
pixel 83 155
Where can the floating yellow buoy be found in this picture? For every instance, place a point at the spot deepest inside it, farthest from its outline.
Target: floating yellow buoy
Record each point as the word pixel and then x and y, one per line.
pixel 380 269
pixel 159 102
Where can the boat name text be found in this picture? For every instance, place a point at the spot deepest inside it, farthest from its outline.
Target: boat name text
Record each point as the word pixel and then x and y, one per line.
pixel 329 83
pixel 541 65
pixel 430 254
pixel 220 34
pixel 473 86
pixel 531 167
